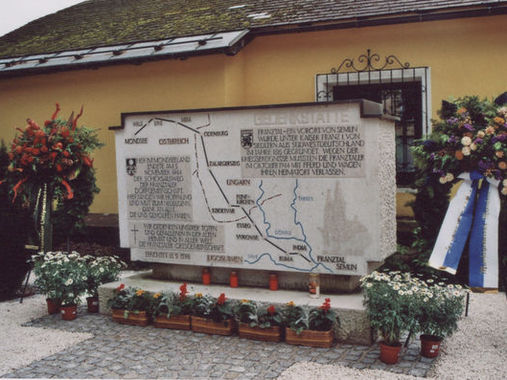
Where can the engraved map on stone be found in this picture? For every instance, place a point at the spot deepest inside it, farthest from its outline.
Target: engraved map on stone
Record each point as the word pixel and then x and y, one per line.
pixel 276 188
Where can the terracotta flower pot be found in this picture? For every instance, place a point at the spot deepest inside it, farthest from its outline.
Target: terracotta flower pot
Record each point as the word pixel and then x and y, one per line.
pixel 272 334
pixel 389 354
pixel 53 305
pixel 134 318
pixel 93 304
pixel 179 322
pixel 208 326
pixel 69 312
pixel 430 345
pixel 311 338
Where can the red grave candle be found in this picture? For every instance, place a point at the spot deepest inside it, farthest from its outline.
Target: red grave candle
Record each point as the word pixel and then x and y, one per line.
pixel 206 276
pixel 273 282
pixel 233 279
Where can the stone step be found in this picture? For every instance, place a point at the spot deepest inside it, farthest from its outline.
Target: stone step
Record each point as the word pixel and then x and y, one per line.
pixel 354 325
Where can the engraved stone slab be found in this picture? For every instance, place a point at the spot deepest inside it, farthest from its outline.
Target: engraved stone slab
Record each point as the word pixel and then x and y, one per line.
pixel 301 188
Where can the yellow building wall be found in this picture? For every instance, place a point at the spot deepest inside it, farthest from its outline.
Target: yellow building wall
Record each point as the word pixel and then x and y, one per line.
pixel 466 57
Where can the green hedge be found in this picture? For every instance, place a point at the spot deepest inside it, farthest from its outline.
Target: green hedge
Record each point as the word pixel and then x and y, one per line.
pixel 14 229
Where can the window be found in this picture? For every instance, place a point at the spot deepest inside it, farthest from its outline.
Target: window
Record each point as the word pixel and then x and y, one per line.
pixel 399 99
pixel 404 92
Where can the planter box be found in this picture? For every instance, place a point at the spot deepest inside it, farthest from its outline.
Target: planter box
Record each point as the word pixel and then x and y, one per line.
pixel 272 334
pixel 133 318
pixel 207 326
pixel 179 322
pixel 310 338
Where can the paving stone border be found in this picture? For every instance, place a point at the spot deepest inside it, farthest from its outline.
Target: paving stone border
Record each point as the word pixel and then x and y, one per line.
pixel 121 351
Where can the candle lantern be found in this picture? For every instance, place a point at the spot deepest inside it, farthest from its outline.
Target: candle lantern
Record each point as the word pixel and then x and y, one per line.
pixel 314 285
pixel 273 282
pixel 206 276
pixel 233 279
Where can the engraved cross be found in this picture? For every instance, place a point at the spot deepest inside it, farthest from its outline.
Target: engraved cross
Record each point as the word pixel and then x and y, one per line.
pixel 134 230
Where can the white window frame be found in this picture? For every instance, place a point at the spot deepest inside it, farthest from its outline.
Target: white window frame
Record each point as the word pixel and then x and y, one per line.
pixel 325 83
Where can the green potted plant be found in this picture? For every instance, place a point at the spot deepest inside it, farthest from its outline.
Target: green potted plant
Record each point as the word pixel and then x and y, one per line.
pixel 73 275
pixel 440 307
pixel 314 328
pixel 46 280
pixel 62 277
pixel 295 317
pixel 389 300
pixel 212 315
pixel 130 306
pixel 100 270
pixel 322 318
pixel 172 310
pixel 258 323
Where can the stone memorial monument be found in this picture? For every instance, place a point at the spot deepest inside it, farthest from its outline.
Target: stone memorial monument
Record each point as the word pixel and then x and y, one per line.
pixel 291 189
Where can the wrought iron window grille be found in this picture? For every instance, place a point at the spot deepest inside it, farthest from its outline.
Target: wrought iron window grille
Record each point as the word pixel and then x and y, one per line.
pixel 390 81
pixel 370 60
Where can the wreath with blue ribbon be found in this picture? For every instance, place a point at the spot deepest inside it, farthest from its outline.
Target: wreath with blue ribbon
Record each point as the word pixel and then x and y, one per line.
pixel 467 145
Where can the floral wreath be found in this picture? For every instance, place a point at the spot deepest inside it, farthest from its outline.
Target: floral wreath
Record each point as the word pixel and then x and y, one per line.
pixel 470 137
pixel 469 143
pixel 52 154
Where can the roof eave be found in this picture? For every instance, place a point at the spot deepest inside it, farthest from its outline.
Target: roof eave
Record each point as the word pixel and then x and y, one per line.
pixel 126 61
pixel 387 19
pixel 230 50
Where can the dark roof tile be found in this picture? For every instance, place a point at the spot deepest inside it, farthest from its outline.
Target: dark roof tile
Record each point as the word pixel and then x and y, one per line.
pixel 109 22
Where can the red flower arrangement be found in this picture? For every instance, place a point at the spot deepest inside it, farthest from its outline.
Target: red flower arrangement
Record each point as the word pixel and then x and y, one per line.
pixel 53 153
pixel 322 318
pixel 269 318
pixel 218 309
pixel 183 291
pixel 221 299
pixel 326 305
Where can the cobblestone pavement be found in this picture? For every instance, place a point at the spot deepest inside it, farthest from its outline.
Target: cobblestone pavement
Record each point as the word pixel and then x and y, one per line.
pixel 121 351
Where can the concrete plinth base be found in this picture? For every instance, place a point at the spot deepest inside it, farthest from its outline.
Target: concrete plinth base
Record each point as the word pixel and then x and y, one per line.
pixel 354 325
pixel 257 278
